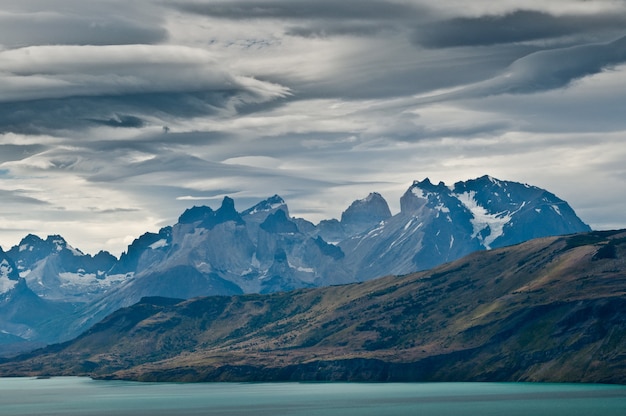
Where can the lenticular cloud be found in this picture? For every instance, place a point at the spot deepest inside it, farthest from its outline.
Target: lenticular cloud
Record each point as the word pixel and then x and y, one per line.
pixel 43 72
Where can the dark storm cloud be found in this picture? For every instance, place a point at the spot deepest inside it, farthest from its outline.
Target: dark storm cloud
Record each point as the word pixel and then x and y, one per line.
pixel 125 111
pixel 518 26
pixel 75 113
pixel 544 70
pixel 68 87
pixel 18 30
pixel 557 68
pixel 319 18
pixel 308 9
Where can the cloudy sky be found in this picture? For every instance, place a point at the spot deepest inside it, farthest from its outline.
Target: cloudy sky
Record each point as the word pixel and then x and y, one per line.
pixel 116 115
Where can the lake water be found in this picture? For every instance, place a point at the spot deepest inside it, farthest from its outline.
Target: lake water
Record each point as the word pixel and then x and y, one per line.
pixel 85 397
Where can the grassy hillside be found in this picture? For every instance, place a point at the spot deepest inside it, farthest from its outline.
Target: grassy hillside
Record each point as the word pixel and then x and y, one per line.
pixel 552 309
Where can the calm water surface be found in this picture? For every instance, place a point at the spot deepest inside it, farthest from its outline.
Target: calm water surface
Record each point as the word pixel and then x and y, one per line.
pixel 83 396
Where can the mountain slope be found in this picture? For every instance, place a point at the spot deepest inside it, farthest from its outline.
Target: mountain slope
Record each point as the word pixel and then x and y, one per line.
pixel 551 309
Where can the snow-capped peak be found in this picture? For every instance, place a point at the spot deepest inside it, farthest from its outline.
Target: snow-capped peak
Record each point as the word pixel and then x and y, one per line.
pixel 494 180
pixel 270 204
pixel 60 244
pixel 371 197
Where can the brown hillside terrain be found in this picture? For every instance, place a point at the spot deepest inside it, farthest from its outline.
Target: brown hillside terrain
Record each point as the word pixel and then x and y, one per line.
pixel 551 309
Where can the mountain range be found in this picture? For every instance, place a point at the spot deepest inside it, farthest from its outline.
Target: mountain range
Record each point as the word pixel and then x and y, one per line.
pixel 550 309
pixel 51 292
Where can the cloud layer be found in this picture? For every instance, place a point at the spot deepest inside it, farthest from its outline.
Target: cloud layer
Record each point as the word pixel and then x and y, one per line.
pixel 115 116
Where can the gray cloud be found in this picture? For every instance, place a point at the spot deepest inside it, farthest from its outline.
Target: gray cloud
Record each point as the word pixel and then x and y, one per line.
pixel 70 87
pixel 24 29
pixel 112 210
pixel 121 120
pixel 325 28
pixel 115 116
pixel 315 18
pixel 517 26
pixel 544 70
pixel 11 152
pixel 556 68
pixel 309 9
pixel 19 196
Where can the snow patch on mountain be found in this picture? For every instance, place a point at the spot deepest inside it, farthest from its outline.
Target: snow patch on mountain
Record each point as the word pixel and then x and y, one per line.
pixel 5 269
pixel 484 219
pixel 5 283
pixel 407 232
pixel 69 279
pixel 25 247
pixel 158 244
pixel 86 280
pixel 419 192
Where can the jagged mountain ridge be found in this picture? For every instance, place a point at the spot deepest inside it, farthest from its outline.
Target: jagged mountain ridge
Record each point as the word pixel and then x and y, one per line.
pixel 57 271
pixel 550 309
pixel 263 249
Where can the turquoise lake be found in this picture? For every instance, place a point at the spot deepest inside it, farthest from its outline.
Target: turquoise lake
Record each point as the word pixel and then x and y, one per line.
pixel 83 396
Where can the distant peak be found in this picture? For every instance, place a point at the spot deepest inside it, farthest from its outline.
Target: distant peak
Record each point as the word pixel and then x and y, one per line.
pixel 427 185
pixel 56 239
pixel 228 204
pixel 224 214
pixel 489 178
pixel 372 197
pixel 279 223
pixel 194 214
pixel 270 204
pixel 276 199
pixel 30 239
pixel 425 182
pixel 369 210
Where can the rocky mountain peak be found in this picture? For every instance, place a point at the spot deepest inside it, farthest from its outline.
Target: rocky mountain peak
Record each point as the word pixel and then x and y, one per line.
pixel 365 213
pixel 419 194
pixel 195 214
pixel 31 240
pixel 278 223
pixel 57 242
pixel 268 205
pixel 225 213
